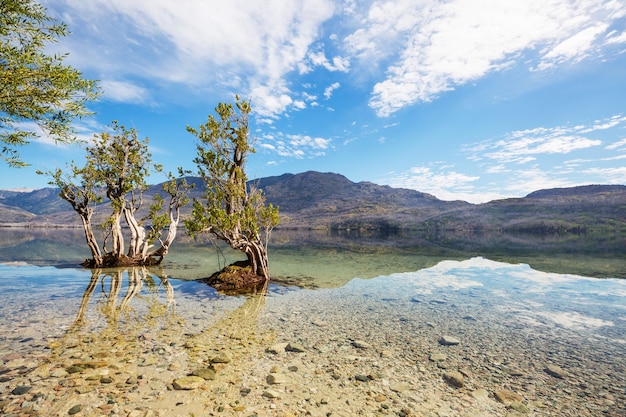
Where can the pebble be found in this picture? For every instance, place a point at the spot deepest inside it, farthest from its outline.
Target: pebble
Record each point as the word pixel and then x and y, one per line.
pixel 271 394
pixel 221 358
pixel 454 378
pixel 438 357
pixel 360 344
pixel 512 371
pixel 555 371
pixel 204 373
pixel 399 387
pixel 75 410
pixel 188 382
pixel 520 407
pixel 480 393
pixel 275 379
pixel 295 347
pixel 278 348
pixel 21 390
pixel 449 341
pixel 507 397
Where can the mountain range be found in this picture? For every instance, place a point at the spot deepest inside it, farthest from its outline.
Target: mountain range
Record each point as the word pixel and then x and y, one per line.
pixel 331 201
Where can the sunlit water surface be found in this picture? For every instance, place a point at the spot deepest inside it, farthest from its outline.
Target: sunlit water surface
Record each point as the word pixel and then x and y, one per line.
pixel 502 313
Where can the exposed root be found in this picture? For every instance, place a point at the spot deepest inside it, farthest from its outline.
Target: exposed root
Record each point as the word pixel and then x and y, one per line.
pixel 236 278
pixel 111 261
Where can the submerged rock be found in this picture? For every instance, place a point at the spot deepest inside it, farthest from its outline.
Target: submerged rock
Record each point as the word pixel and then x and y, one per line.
pixel 454 378
pixel 360 344
pixel 507 397
pixel 438 357
pixel 555 371
pixel 449 340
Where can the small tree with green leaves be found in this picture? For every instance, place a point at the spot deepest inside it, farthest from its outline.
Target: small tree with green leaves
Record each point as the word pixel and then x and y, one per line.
pixel 35 87
pixel 117 164
pixel 230 209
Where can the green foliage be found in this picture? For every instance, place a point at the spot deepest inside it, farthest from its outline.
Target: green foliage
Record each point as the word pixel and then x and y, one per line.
pixel 120 162
pixel 230 210
pixel 77 187
pixel 34 86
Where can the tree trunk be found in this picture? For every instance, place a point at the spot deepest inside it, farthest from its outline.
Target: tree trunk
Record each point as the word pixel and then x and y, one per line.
pixel 91 239
pixel 169 239
pixel 257 258
pixel 137 234
pixel 118 237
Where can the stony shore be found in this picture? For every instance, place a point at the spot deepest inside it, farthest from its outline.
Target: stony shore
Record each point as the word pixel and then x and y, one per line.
pixel 345 352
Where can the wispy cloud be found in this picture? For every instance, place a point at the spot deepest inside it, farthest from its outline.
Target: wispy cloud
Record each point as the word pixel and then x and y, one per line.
pixel 415 50
pixel 433 47
pixel 439 180
pixel 524 146
pixel 124 91
pixel 328 92
pixel 524 161
pixel 294 146
pixel 620 144
pixel 236 45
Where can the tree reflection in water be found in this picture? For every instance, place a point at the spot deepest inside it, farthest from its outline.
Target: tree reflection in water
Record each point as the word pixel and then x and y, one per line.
pixel 108 306
pixel 129 332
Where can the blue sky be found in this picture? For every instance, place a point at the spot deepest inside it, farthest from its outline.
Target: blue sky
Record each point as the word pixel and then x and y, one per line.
pixel 463 99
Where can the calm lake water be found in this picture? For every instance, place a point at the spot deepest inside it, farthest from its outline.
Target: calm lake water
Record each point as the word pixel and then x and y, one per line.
pixel 539 306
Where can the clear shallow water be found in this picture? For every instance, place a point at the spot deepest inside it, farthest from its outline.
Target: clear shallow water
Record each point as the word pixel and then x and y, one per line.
pixel 504 314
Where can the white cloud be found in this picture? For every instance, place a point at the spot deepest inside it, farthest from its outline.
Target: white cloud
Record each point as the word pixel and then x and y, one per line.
pixel 442 183
pixel 233 45
pixel 328 92
pixel 603 124
pixel 610 175
pixel 574 48
pixel 528 160
pixel 616 38
pixel 294 146
pixel 319 59
pixel 434 47
pixel 524 146
pixel 617 145
pixel 269 102
pixel 123 91
pixel 519 150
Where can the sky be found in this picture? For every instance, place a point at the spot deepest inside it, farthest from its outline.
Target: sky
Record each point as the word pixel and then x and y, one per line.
pixel 469 100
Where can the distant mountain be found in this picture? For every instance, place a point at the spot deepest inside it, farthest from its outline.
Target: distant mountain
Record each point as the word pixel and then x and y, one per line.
pixel 545 211
pixel 315 199
pixel 326 200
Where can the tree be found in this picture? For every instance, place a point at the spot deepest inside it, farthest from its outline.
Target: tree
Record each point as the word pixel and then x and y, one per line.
pixel 230 209
pixel 34 86
pixel 116 168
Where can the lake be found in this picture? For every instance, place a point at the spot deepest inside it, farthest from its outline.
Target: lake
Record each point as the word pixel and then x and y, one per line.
pixel 456 324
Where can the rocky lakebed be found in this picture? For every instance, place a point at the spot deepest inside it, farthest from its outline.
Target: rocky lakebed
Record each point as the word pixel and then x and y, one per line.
pixel 448 341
